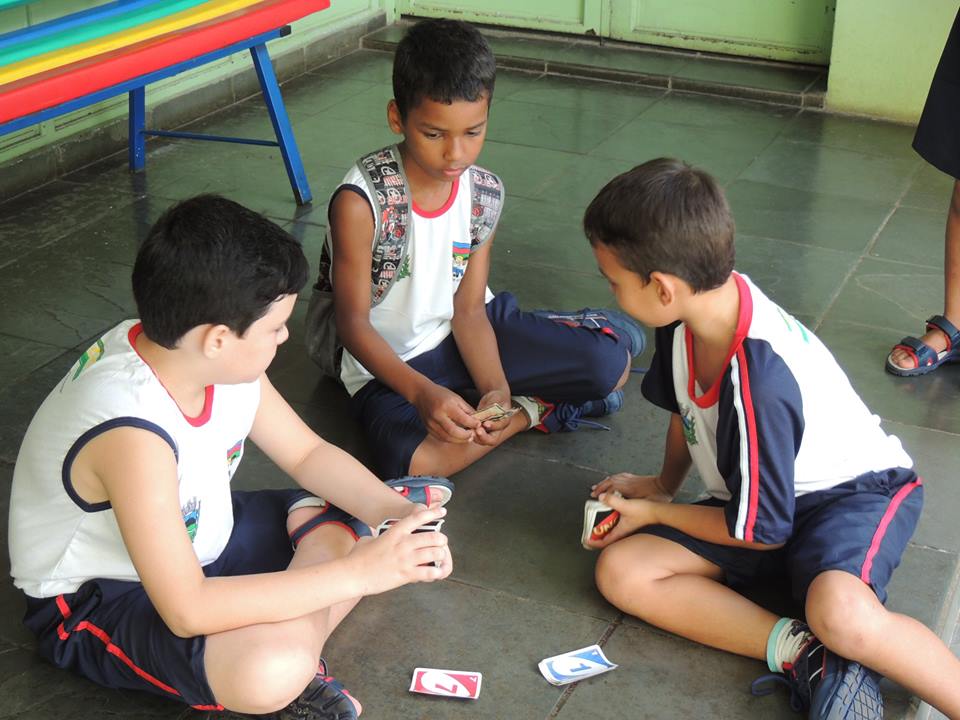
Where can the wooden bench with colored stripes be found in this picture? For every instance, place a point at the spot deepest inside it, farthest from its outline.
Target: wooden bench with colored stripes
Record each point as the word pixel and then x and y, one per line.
pixel 120 47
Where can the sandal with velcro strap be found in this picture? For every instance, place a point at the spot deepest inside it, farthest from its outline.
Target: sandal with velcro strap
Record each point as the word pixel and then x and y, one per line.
pixel 926 358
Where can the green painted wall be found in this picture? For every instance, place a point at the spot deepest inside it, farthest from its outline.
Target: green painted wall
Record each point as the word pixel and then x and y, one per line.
pixel 884 54
pixel 342 13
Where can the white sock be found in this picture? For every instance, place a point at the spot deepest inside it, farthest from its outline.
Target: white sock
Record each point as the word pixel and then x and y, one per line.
pixel 783 645
pixel 530 406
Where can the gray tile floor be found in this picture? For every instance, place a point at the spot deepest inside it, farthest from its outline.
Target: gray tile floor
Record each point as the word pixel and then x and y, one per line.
pixel 839 221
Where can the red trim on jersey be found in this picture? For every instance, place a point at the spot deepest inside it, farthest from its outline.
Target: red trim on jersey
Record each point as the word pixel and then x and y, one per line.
pixel 103 637
pixel 751 422
pixel 200 420
pixel 884 524
pixel 454 187
pixel 710 397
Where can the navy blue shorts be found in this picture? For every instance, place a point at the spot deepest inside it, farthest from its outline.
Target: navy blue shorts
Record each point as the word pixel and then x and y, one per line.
pixel 540 357
pixel 109 632
pixel 861 526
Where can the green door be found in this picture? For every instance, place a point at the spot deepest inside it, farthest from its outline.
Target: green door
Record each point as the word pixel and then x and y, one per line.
pixel 794 30
pixel 567 16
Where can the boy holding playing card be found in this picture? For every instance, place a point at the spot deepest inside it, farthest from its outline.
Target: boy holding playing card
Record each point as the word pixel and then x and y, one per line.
pixel 429 333
pixel 141 569
pixel 803 484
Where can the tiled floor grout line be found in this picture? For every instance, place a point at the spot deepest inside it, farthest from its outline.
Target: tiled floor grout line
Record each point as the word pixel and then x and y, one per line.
pixel 572 688
pixel 863 255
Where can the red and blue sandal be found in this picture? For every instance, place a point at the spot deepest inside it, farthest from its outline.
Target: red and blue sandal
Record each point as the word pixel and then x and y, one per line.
pixel 926 358
pixel 331 514
pixel 423 489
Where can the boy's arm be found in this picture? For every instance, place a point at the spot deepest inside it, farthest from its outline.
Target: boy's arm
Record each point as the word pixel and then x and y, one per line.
pixel 138 473
pixel 662 487
pixel 317 466
pixel 476 340
pixel 446 414
pixel 697 521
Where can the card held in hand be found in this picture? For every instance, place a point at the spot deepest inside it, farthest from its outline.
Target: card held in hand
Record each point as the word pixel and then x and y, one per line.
pixel 598 520
pixel 495 412
pixel 446 683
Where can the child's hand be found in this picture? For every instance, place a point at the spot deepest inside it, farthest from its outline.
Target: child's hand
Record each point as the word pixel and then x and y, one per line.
pixel 446 415
pixel 634 514
pixel 399 556
pixel 632 486
pixel 488 432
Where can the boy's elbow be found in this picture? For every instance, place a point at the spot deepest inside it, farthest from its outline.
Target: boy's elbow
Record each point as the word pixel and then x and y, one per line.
pixel 183 623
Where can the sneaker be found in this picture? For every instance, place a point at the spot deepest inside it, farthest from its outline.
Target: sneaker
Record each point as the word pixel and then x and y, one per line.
pixel 567 417
pixel 423 489
pixel 827 685
pixel 323 699
pixel 605 320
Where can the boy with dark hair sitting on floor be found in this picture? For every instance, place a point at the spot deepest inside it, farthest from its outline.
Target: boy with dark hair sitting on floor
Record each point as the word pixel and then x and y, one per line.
pixel 405 270
pixel 803 483
pixel 141 568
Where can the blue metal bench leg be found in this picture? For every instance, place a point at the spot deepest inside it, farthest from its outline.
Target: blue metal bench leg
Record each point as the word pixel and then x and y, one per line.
pixel 281 124
pixel 136 120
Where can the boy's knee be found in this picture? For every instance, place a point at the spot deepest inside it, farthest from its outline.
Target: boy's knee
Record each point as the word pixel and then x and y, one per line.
pixel 604 368
pixel 843 617
pixel 271 678
pixel 617 578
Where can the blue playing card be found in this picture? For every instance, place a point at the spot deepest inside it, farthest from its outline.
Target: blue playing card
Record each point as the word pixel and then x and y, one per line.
pixel 575 665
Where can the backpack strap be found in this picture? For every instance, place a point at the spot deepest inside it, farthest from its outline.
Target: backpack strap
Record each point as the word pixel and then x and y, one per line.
pixel 486 198
pixel 383 172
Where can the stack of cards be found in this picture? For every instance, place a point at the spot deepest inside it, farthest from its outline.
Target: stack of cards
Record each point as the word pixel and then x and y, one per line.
pixel 432 526
pixel 575 665
pixel 598 520
pixel 495 412
pixel 446 683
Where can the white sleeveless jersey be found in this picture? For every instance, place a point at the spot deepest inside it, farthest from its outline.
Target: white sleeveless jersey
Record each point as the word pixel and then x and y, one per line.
pixel 415 315
pixel 57 540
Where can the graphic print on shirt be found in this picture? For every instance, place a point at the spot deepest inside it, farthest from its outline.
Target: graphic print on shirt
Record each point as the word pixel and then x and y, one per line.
pixel 405 267
pixel 234 452
pixel 191 516
pixel 461 255
pixel 89 357
pixel 689 424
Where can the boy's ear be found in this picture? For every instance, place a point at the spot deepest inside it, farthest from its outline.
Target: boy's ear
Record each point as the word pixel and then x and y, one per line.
pixel 213 340
pixel 666 287
pixel 393 118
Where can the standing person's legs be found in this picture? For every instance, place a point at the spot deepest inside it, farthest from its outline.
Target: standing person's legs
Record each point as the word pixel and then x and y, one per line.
pixel 936 338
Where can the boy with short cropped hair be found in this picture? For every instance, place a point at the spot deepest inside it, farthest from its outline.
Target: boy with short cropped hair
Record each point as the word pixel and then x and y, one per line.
pixel 426 345
pixel 803 484
pixel 142 570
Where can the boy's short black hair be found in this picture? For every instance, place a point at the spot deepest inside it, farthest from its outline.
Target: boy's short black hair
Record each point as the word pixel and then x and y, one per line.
pixel 209 260
pixel 444 61
pixel 666 216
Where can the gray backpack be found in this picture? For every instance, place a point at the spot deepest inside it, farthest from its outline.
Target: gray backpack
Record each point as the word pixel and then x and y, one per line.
pixel 383 172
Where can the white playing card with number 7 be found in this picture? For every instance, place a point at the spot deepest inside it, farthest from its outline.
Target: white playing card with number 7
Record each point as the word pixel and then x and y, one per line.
pixel 575 665
pixel 446 683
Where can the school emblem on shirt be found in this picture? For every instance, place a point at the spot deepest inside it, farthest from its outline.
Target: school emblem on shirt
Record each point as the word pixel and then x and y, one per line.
pixel 191 516
pixel 689 425
pixel 92 354
pixel 461 254
pixel 233 453
pixel 404 267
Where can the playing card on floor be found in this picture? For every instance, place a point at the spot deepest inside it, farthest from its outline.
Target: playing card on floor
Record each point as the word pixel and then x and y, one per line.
pixel 575 665
pixel 446 683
